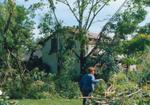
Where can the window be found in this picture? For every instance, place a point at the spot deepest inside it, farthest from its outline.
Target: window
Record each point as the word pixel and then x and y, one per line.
pixel 54 45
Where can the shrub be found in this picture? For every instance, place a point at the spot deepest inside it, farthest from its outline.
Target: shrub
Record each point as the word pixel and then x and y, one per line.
pixel 100 89
pixel 34 84
pixel 65 84
pixel 39 89
pixel 41 86
pixel 14 88
pixel 67 88
pixel 4 99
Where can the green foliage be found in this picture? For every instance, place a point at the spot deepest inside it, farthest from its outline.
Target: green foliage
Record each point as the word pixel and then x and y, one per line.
pixel 124 85
pixel 100 89
pixel 109 65
pixel 120 81
pixel 131 89
pixel 127 89
pixel 144 67
pixel 127 22
pixel 67 88
pixel 16 33
pixel 4 100
pixel 16 38
pixel 47 25
pixel 137 44
pixel 65 85
pixel 129 61
pixel 35 85
pixel 142 2
pixel 136 85
pixel 145 29
pixel 39 89
pixel 14 88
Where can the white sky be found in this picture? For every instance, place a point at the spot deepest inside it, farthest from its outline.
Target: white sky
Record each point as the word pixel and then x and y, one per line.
pixel 66 16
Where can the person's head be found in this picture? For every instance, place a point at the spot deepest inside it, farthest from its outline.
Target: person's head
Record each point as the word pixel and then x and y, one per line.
pixel 92 70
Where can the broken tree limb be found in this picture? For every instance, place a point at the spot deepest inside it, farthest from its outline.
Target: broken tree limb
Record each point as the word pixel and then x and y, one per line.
pixel 134 93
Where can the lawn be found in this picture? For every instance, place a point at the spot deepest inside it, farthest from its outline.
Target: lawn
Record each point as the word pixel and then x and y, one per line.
pixel 50 102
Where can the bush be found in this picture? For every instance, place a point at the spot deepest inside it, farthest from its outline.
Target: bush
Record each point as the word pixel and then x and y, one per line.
pixel 42 85
pixel 39 89
pixel 100 89
pixel 14 88
pixel 122 83
pixel 67 88
pixel 4 99
pixel 34 84
pixel 65 84
pixel 144 67
pixel 37 84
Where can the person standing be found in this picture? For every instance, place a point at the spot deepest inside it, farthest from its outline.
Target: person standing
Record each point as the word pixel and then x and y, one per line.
pixel 87 84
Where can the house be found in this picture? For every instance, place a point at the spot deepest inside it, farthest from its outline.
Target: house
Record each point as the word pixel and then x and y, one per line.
pixel 54 43
pixel 48 53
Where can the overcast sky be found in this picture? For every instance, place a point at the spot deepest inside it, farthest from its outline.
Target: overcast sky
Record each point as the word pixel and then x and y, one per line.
pixel 66 16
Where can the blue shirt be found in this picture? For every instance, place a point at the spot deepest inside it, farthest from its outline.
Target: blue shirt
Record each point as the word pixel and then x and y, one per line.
pixel 88 83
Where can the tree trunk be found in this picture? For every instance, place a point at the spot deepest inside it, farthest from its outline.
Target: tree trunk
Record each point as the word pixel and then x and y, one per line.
pixel 82 59
pixel 82 65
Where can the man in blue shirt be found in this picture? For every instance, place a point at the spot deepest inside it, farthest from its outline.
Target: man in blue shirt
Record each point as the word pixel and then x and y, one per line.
pixel 87 84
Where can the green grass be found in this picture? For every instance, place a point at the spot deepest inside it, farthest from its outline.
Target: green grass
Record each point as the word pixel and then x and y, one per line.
pixel 50 102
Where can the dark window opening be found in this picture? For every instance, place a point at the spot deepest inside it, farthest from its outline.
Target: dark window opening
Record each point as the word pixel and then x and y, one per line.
pixel 54 45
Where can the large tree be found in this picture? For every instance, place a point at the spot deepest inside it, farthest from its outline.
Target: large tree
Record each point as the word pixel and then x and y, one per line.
pixel 85 12
pixel 123 22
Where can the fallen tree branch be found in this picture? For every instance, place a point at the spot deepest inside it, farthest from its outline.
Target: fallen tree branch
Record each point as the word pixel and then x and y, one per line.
pixel 91 97
pixel 134 93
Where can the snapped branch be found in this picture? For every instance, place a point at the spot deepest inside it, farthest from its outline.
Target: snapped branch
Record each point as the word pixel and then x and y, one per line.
pixel 100 35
